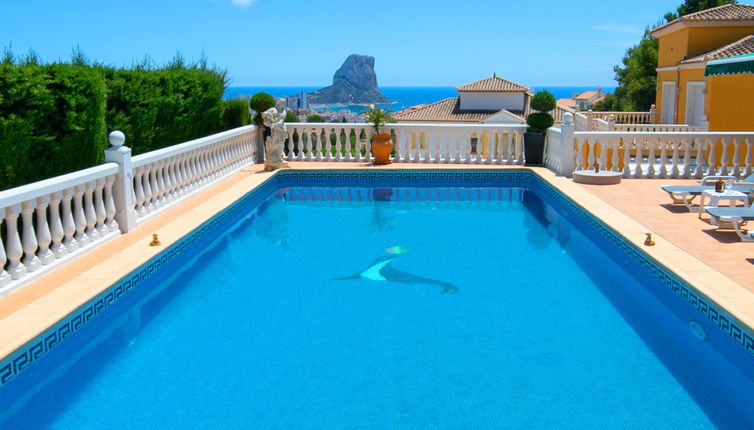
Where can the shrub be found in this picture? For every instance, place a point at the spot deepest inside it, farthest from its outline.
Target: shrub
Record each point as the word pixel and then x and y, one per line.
pixel 52 122
pixel 260 102
pixel 542 102
pixel 55 117
pixel 235 114
pixel 291 117
pixel 314 118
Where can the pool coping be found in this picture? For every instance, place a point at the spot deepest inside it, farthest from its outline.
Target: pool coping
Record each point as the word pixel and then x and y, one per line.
pixel 64 292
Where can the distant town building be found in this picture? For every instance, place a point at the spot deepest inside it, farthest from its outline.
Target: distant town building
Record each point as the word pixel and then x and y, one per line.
pixel 582 101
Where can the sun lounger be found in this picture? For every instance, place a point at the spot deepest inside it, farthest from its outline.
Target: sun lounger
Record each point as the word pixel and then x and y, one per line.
pixel 734 218
pixel 685 194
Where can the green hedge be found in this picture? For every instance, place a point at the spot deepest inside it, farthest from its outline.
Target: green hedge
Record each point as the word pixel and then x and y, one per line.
pixel 52 121
pixel 54 118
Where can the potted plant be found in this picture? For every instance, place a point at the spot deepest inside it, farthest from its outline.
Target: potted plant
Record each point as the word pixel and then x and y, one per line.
pixel 534 139
pixel 382 146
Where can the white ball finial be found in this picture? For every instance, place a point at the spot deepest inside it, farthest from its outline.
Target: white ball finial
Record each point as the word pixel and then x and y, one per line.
pixel 117 139
pixel 568 118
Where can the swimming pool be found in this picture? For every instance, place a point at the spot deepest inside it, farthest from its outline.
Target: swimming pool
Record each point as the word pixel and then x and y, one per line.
pixel 426 299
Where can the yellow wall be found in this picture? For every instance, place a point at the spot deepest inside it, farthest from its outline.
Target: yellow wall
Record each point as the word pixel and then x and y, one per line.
pixel 688 42
pixel 705 39
pixel 673 47
pixel 731 102
pixel 692 41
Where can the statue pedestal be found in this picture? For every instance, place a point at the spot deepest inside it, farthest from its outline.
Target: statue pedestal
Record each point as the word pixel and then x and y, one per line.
pixel 273 167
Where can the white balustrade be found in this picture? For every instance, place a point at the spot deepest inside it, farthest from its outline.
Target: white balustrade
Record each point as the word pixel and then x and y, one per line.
pixel 662 154
pixel 415 143
pixel 163 177
pixel 48 221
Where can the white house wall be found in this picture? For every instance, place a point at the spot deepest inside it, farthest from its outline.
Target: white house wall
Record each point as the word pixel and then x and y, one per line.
pixel 489 101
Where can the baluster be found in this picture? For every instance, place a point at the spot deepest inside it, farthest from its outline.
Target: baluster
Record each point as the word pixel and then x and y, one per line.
pixel 79 216
pixel 110 222
pixel 56 225
pixel 737 144
pixel 724 156
pixel 447 145
pixel 651 159
pixel 69 224
pixel 592 156
pixel 139 191
pixel 663 158
pixel 627 145
pixel 44 236
pixel 615 159
pixel 698 171
pixel 321 146
pixel 603 152
pixel 749 156
pixel 4 276
pixel 29 236
pixel 99 208
pixel 328 143
pixel 489 146
pixel 170 180
pixel 309 145
pixel 159 177
pixel 13 248
pixel 339 144
pixel 149 191
pixel 686 145
pixel 711 168
pixel 89 212
pixel 579 154
pixel 368 145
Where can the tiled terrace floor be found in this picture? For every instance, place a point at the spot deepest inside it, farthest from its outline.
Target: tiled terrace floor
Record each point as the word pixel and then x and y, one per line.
pixel 645 202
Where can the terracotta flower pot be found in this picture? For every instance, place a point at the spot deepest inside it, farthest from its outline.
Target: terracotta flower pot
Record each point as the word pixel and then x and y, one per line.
pixel 381 148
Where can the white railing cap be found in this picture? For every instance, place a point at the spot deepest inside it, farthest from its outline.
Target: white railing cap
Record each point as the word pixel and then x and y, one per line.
pixel 159 154
pixel 405 124
pixel 31 191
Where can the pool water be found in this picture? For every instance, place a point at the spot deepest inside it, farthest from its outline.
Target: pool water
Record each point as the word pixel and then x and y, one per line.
pixel 319 313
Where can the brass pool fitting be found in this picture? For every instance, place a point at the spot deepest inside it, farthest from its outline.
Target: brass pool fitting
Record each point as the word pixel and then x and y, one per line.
pixel 649 241
pixel 155 241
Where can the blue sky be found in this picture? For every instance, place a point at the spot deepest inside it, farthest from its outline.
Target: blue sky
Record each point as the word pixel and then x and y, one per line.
pixel 302 42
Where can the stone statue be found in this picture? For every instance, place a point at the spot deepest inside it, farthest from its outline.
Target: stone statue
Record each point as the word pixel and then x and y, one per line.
pixel 274 118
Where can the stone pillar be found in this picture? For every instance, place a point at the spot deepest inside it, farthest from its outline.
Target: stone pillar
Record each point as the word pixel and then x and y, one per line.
pixel 653 114
pixel 590 120
pixel 566 145
pixel 125 214
pixel 611 122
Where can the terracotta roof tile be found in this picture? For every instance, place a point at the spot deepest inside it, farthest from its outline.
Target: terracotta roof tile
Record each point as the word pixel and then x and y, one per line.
pixel 726 12
pixel 447 110
pixel 739 47
pixel 586 95
pixel 493 84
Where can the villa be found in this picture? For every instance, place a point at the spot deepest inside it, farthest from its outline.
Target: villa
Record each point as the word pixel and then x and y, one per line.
pixel 688 95
pixel 493 100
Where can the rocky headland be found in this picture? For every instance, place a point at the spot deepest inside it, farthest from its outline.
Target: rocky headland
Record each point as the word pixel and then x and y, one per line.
pixel 354 83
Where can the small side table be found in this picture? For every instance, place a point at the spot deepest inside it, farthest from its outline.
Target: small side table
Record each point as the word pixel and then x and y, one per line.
pixel 715 198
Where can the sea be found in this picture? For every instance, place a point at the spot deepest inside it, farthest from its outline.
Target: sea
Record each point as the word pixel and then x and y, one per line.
pixel 402 96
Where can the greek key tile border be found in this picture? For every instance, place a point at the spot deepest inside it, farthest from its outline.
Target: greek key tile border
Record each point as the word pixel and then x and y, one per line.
pixel 17 362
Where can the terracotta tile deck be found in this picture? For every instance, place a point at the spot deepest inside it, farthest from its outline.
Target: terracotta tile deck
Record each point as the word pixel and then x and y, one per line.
pixel 645 202
pixel 725 272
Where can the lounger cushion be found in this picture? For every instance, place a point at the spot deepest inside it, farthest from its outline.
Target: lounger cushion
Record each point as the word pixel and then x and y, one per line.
pixel 688 189
pixel 747 213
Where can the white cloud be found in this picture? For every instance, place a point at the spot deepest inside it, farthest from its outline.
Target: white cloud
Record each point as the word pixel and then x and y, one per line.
pixel 618 28
pixel 242 3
